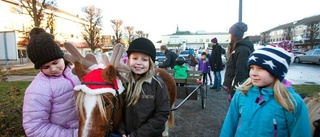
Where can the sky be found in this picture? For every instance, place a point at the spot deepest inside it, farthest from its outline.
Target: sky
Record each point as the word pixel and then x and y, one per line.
pixel 161 17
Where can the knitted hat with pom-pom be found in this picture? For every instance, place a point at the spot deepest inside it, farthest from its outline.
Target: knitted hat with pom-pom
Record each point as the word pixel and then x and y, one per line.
pixel 238 29
pixel 273 59
pixel 42 48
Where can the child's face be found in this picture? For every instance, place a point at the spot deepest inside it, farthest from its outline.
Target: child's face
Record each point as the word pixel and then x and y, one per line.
pixel 203 56
pixel 261 77
pixel 53 68
pixel 139 62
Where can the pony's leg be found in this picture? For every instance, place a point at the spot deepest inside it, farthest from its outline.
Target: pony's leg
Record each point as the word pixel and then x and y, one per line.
pixel 165 133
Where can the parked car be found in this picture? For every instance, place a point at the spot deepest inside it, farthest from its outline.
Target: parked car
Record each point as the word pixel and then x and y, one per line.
pixel 160 58
pixel 185 54
pixel 296 51
pixel 312 56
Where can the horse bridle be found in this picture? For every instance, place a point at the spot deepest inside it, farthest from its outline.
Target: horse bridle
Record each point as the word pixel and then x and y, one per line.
pixel 110 123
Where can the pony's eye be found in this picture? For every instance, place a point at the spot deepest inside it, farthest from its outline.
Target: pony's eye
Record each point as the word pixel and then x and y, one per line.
pixel 106 104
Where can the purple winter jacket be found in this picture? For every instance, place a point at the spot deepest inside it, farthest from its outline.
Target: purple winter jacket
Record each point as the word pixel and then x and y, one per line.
pixel 204 66
pixel 49 107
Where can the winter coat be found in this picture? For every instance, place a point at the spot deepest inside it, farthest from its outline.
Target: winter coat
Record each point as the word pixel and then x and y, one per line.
pixel 148 116
pixel 237 70
pixel 216 60
pixel 193 61
pixel 204 66
pixel 49 107
pixel 170 60
pixel 260 115
pixel 180 71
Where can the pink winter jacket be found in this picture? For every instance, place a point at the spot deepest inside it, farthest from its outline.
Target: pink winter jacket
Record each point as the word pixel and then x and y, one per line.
pixel 49 107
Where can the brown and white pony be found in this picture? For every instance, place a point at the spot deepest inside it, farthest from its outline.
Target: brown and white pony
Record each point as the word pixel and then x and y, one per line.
pixel 313 104
pixel 172 93
pixel 98 98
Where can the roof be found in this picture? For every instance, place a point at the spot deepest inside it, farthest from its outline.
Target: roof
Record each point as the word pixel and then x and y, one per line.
pixel 304 21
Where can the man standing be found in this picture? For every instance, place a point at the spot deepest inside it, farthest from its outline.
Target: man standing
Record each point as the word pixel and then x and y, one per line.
pixel 216 64
pixel 171 57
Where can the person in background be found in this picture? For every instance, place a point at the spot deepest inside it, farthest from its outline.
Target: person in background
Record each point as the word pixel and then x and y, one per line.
pixel 193 62
pixel 204 66
pixel 146 99
pixel 48 104
pixel 238 52
pixel 216 63
pixel 171 57
pixel 209 58
pixel 180 70
pixel 263 106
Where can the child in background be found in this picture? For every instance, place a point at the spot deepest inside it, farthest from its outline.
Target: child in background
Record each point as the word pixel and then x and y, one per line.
pixel 263 106
pixel 180 70
pixel 204 66
pixel 193 62
pixel 147 102
pixel 48 105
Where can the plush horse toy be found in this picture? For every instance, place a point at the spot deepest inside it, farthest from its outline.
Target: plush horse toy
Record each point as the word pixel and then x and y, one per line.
pixel 98 99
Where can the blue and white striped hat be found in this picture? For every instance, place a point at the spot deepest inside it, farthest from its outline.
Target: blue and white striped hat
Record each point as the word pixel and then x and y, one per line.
pixel 274 59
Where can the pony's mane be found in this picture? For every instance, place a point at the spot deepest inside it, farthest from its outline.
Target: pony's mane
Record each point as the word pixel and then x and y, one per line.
pixel 79 99
pixel 313 104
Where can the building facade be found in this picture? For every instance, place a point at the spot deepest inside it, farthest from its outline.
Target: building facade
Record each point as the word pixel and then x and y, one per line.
pixel 67 27
pixel 297 31
pixel 183 40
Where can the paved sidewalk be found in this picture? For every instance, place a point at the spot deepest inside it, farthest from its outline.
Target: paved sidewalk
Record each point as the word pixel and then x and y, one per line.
pixel 17 67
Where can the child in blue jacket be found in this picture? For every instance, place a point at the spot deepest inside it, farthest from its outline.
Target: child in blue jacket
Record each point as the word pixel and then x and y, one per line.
pixel 263 106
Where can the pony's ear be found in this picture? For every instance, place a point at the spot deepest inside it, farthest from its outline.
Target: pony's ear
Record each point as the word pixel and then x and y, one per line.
pixel 109 73
pixel 116 61
pixel 75 56
pixel 82 64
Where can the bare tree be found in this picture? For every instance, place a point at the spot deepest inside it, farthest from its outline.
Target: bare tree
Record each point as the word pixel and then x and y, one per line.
pixel 288 33
pixel 92 34
pixel 313 31
pixel 142 34
pixel 51 20
pixel 116 25
pixel 35 9
pixel 130 30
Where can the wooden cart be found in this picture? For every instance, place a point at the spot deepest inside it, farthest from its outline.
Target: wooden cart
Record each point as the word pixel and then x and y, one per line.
pixel 190 88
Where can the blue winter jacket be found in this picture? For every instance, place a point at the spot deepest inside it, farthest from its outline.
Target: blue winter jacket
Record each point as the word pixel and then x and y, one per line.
pixel 259 115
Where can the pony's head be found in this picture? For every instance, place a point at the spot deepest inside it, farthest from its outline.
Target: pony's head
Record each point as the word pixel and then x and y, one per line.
pixel 98 100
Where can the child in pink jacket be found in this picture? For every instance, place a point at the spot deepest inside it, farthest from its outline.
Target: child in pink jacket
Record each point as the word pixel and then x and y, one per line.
pixel 48 105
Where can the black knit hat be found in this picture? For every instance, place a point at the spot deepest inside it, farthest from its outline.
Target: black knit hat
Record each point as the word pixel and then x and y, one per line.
pixel 180 60
pixel 42 48
pixel 142 45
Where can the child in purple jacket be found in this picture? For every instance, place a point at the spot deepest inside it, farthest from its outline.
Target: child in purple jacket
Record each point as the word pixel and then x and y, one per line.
pixel 48 105
pixel 204 66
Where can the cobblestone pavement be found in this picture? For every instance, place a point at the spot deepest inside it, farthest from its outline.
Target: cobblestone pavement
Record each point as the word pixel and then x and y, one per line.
pixel 193 121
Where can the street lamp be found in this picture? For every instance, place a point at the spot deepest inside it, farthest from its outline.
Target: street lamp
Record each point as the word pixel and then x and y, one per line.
pixel 240 10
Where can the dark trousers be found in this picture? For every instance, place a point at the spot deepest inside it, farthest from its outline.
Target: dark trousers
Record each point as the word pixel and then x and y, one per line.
pixel 204 77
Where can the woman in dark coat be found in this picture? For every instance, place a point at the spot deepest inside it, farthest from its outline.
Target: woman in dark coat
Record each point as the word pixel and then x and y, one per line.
pixel 238 53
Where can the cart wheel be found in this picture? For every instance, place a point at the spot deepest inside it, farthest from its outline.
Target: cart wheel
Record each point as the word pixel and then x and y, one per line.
pixel 203 96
